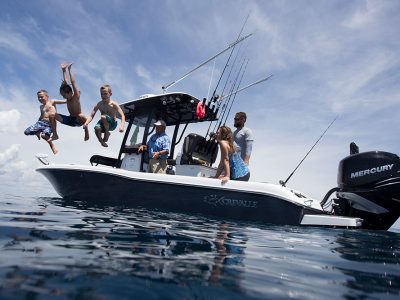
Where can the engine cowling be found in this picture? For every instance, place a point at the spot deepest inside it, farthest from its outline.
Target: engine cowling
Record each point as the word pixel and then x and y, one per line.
pixel 367 169
pixel 368 188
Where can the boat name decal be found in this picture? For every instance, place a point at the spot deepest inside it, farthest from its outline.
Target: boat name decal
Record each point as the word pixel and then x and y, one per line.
pixel 374 170
pixel 223 201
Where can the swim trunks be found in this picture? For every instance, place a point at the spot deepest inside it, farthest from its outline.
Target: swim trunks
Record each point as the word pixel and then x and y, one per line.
pixel 112 124
pixel 71 121
pixel 40 126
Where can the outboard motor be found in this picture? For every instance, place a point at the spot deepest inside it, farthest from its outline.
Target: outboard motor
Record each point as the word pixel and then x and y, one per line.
pixel 369 188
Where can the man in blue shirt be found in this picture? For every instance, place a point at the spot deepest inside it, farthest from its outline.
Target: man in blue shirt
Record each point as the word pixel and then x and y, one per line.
pixel 158 149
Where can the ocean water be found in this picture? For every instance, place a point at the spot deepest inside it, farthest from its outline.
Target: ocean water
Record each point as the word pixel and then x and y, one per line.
pixel 57 249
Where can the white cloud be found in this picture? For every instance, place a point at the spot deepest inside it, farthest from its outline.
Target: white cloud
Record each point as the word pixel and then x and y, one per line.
pixel 12 40
pixel 9 120
pixel 147 79
pixel 367 14
pixel 9 156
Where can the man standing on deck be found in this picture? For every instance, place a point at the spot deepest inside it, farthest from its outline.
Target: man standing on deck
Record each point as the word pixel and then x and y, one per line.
pixel 158 149
pixel 243 137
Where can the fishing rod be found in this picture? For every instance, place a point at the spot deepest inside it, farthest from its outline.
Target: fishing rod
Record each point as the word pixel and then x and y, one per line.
pixel 211 141
pixel 234 95
pixel 236 92
pixel 230 72
pixel 212 75
pixel 283 183
pixel 214 99
pixel 207 61
pixel 245 87
pixel 212 136
pixel 234 61
pixel 231 92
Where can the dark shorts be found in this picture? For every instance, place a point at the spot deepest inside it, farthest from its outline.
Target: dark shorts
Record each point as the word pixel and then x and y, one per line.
pixel 71 121
pixel 38 127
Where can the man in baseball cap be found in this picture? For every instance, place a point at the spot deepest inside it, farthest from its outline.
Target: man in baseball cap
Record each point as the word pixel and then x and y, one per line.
pixel 158 149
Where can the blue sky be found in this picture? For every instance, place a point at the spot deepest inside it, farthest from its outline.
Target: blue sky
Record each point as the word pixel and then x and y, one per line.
pixel 328 58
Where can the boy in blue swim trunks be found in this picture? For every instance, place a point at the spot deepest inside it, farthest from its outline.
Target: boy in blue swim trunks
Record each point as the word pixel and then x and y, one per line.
pixel 43 128
pixel 72 96
pixel 108 120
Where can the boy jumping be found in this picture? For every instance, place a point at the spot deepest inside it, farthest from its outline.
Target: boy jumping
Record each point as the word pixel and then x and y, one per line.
pixel 72 96
pixel 108 109
pixel 43 128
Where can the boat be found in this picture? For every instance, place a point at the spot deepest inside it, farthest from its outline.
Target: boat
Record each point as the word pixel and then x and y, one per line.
pixel 367 195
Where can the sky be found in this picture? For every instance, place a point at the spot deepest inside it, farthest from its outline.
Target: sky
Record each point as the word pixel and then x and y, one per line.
pixel 328 58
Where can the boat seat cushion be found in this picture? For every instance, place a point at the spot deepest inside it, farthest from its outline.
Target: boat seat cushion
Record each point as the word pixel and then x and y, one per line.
pixel 104 160
pixel 131 149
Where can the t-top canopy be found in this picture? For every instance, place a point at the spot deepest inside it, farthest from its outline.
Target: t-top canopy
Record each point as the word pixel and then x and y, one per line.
pixel 173 108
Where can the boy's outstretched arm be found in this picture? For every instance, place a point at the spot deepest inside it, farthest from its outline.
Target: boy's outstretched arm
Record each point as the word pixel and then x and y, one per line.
pixel 121 113
pixel 90 117
pixel 64 70
pixel 55 101
pixel 73 82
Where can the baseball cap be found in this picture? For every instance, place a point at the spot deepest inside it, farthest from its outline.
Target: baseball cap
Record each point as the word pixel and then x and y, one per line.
pixel 160 123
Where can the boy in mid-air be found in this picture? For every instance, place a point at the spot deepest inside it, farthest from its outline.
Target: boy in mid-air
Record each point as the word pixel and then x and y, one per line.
pixel 42 128
pixel 73 96
pixel 108 109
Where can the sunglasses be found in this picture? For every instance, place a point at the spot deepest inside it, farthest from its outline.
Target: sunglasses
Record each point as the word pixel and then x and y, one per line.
pixel 237 119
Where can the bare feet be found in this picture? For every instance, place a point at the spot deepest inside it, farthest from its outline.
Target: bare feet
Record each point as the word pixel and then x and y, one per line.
pixel 55 151
pixel 65 65
pixel 104 144
pixel 106 136
pixel 53 148
pixel 86 133
pixel 54 137
pixel 38 135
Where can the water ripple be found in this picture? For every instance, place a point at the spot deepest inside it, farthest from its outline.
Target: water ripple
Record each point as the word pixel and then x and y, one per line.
pixel 56 248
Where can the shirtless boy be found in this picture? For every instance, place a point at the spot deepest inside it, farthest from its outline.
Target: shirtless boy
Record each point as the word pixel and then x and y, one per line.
pixel 72 95
pixel 108 109
pixel 42 128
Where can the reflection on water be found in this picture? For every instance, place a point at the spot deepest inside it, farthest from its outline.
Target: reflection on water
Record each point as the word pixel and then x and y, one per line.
pixel 56 248
pixel 372 261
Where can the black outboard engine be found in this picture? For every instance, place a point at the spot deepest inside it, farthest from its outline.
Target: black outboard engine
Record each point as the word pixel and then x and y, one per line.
pixel 369 188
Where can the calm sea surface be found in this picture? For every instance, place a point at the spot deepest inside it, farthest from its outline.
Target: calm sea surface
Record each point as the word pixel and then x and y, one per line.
pixel 53 249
